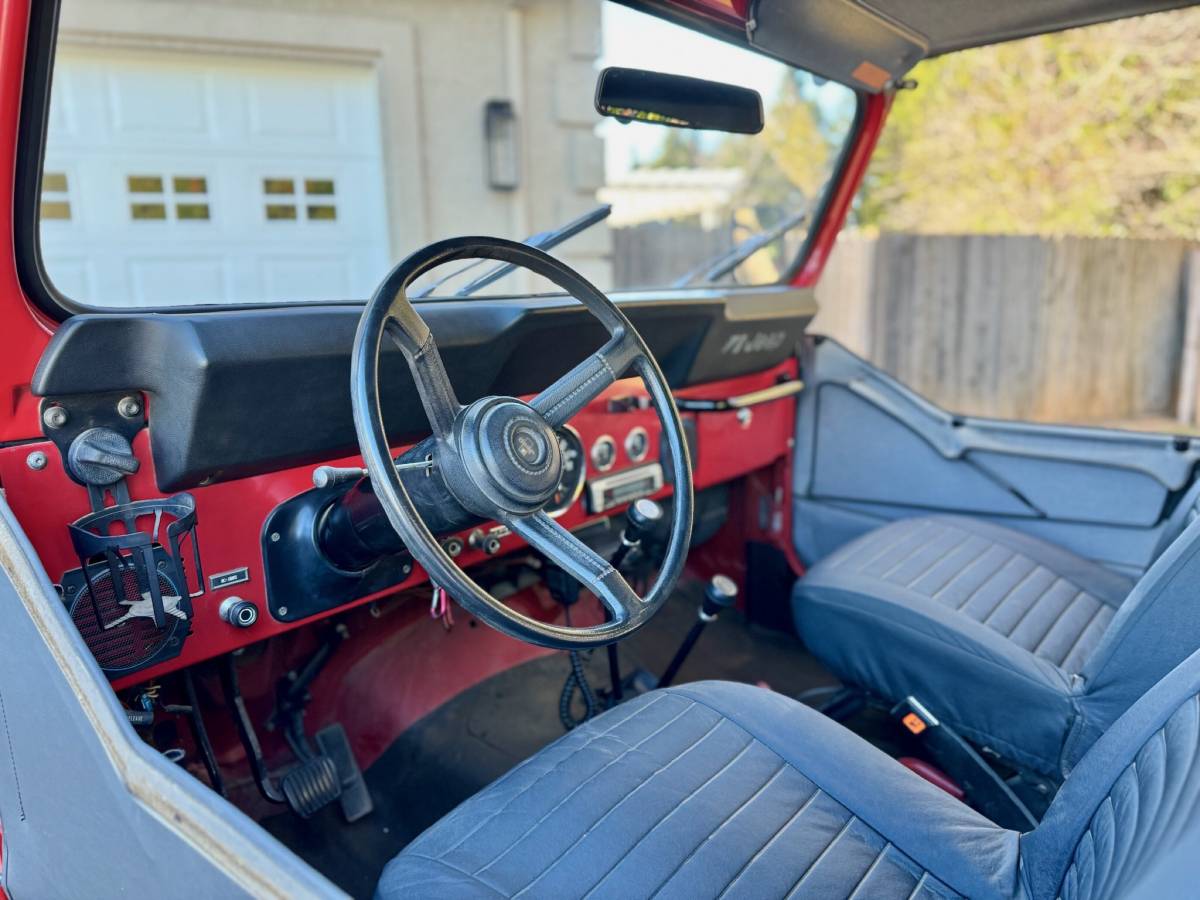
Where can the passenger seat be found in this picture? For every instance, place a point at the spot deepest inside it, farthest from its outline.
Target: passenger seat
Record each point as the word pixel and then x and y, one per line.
pixel 1017 643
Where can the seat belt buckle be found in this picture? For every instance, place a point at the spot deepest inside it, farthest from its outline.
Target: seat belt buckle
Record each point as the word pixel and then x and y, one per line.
pixel 914 716
pixel 959 769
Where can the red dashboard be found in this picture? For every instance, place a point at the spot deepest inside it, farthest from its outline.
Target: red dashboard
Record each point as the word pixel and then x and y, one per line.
pixel 231 515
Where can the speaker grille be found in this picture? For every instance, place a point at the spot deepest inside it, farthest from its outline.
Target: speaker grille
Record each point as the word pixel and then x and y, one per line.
pixel 134 641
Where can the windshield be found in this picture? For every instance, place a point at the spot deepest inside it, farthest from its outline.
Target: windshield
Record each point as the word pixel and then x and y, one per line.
pixel 248 153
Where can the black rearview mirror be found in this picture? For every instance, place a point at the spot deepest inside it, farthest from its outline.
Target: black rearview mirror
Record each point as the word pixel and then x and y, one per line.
pixel 678 101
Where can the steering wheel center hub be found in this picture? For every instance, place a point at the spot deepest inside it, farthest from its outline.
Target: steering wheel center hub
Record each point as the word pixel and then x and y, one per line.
pixel 512 453
pixel 527 445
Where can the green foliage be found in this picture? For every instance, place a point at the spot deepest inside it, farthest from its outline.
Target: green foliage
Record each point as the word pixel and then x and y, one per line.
pixel 1090 132
pixel 787 164
pixel 679 150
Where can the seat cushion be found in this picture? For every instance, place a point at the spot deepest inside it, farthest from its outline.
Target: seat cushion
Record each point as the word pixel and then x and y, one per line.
pixel 704 790
pixel 1126 823
pixel 985 625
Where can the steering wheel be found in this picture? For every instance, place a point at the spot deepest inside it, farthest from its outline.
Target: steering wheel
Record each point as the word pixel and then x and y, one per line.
pixel 499 457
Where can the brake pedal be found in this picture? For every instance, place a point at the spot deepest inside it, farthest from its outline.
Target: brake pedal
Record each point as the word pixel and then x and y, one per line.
pixel 312 785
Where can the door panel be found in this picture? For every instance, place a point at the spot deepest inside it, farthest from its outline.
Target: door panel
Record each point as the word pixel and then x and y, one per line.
pixel 868 450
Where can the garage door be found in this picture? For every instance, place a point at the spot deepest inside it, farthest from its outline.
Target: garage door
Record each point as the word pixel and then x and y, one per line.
pixel 183 178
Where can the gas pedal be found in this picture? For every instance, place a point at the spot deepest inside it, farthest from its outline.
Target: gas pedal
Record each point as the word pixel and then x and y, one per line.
pixel 355 798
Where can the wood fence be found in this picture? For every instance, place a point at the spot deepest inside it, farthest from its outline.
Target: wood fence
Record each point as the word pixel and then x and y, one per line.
pixel 1049 329
pixel 656 253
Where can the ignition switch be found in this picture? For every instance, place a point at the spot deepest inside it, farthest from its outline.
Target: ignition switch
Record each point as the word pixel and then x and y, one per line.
pixel 238 612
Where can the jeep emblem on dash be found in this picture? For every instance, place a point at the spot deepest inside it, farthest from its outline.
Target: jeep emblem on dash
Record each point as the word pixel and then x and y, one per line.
pixel 759 342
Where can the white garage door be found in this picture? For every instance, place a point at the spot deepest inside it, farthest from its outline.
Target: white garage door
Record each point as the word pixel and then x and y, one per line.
pixel 180 178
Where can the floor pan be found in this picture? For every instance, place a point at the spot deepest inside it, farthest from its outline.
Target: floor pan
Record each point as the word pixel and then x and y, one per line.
pixel 482 733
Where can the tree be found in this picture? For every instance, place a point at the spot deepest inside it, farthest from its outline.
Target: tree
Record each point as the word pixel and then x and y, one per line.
pixel 679 150
pixel 1094 131
pixel 789 162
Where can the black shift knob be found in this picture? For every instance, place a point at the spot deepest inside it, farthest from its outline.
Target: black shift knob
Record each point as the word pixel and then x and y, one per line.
pixel 642 516
pixel 720 594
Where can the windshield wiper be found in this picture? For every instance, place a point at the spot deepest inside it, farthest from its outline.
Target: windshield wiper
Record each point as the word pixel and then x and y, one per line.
pixel 713 269
pixel 543 240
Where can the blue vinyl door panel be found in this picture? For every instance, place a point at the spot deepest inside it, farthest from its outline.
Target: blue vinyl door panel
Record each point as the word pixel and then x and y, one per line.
pixel 869 450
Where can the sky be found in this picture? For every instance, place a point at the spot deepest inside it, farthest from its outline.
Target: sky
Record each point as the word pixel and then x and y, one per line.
pixel 638 40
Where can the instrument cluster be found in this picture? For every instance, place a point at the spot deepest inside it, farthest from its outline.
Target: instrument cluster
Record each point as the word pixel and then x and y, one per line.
pixel 605 454
pixel 574 471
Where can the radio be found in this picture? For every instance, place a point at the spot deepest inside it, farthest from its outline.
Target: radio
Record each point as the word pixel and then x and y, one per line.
pixel 632 484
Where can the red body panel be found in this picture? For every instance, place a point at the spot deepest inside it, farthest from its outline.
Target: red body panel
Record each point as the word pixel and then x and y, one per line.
pixel 24 333
pixel 863 141
pixel 725 12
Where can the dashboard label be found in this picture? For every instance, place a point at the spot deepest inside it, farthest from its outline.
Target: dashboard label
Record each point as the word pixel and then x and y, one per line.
pixel 759 342
pixel 227 579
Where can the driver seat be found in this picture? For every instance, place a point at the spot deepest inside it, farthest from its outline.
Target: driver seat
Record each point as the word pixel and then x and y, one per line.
pixel 719 789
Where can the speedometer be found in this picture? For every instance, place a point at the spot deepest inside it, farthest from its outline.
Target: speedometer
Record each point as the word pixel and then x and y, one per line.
pixel 574 471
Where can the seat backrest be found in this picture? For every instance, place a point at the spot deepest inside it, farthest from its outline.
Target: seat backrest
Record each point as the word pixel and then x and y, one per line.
pixel 1186 511
pixel 1126 822
pixel 1156 628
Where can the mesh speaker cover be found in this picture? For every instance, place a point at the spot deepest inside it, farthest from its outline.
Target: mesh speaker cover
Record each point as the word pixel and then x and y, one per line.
pixel 134 642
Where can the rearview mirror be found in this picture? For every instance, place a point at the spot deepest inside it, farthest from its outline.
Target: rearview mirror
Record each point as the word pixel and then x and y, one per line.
pixel 678 101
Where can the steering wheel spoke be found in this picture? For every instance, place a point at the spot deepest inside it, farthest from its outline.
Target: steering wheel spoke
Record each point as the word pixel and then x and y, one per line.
pixel 580 561
pixel 429 372
pixel 579 387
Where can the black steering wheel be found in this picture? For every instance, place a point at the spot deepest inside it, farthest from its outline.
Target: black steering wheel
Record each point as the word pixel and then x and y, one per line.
pixel 500 458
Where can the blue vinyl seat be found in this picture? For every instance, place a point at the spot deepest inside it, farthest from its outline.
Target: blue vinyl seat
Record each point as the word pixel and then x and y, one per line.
pixel 724 790
pixel 1020 645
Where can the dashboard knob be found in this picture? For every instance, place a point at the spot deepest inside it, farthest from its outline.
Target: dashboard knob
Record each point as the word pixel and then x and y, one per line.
pixel 488 542
pixel 100 456
pixel 328 476
pixel 721 593
pixel 238 612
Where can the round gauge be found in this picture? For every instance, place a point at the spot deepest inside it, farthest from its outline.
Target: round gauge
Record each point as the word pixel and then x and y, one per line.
pixel 637 444
pixel 574 471
pixel 604 453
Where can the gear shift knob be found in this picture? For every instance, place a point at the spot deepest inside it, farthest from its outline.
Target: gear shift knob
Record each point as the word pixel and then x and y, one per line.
pixel 721 593
pixel 642 516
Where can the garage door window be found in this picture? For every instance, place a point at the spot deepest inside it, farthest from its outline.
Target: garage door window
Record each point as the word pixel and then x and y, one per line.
pixel 56 199
pixel 155 197
pixel 286 199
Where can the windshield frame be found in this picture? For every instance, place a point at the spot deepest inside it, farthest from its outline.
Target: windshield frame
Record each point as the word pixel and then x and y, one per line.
pixel 31 147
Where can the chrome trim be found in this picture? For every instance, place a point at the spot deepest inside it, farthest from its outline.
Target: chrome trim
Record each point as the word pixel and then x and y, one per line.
pixel 583 462
pixel 592 452
pixel 635 430
pixel 596 488
pixel 741 401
